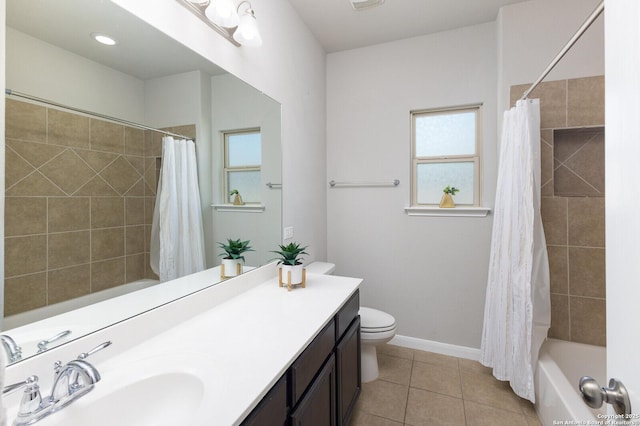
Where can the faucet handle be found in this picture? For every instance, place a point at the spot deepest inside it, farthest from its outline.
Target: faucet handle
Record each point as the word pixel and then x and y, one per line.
pixel 101 346
pixel 31 399
pixel 13 350
pixel 42 345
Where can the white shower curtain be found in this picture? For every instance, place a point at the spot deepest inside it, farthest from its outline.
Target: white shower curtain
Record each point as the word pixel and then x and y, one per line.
pixel 517 305
pixel 177 237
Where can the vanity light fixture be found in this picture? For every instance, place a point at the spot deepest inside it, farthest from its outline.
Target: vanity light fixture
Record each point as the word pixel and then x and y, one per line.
pixel 104 39
pixel 365 4
pixel 236 23
pixel 247 33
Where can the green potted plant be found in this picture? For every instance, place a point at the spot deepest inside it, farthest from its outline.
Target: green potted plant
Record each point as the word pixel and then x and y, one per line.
pixel 447 198
pixel 237 198
pixel 233 258
pixel 290 262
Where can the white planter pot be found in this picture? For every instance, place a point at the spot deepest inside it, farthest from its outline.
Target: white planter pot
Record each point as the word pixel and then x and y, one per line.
pixel 231 267
pixel 296 273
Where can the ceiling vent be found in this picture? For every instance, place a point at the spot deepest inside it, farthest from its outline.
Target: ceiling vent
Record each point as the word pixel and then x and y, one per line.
pixel 365 4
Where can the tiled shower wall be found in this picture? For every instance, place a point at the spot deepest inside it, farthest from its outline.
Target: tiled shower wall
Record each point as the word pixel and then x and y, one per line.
pixel 79 197
pixel 572 158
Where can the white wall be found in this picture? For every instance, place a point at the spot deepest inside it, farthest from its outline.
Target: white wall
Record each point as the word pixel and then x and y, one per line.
pixel 238 106
pixel 46 71
pixel 428 272
pixel 2 146
pixel 533 32
pixel 290 68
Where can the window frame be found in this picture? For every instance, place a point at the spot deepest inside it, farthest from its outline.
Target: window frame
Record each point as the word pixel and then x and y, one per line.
pixel 226 168
pixel 475 158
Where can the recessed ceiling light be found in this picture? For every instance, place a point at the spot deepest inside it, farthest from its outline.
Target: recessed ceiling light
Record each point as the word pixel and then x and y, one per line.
pixel 104 39
pixel 365 4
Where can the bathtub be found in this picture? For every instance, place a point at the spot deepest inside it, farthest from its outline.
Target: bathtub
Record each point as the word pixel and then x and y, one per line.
pixel 560 366
pixel 38 314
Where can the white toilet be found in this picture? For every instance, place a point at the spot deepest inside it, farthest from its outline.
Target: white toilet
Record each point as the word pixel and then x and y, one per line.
pixel 376 328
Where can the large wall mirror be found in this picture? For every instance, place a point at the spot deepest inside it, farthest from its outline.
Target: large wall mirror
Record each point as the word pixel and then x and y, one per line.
pixel 80 190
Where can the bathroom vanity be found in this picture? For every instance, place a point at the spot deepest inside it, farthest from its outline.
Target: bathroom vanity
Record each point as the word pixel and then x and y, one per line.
pixel 244 351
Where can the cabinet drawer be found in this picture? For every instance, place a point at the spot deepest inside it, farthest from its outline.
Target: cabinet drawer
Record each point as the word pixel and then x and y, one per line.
pixel 347 313
pixel 273 409
pixel 309 362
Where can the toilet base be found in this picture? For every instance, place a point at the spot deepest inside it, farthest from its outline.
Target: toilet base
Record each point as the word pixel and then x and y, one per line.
pixel 369 367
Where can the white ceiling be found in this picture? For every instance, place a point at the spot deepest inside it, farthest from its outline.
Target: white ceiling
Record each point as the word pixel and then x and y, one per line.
pixel 339 27
pixel 142 50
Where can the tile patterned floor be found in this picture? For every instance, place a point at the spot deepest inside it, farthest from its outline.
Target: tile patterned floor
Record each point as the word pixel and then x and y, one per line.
pixel 422 388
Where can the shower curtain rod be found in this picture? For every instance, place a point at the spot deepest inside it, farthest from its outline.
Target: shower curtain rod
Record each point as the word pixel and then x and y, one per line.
pixel 93 114
pixel 594 15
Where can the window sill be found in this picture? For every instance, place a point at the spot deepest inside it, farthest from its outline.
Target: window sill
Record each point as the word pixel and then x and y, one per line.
pixel 450 212
pixel 244 208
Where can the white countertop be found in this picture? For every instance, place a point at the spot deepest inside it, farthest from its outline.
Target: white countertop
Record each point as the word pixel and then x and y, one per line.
pixel 239 348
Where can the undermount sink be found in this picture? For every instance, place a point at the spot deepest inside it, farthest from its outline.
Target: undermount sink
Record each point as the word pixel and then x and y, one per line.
pixel 165 399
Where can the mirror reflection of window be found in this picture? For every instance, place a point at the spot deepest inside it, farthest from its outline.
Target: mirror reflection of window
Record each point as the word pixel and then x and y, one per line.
pixel 242 164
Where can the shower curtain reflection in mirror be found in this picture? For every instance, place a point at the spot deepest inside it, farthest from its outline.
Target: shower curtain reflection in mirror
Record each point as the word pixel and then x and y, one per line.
pixel 177 237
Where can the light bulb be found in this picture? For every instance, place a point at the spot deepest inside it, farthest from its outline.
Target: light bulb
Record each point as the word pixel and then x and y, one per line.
pixel 223 13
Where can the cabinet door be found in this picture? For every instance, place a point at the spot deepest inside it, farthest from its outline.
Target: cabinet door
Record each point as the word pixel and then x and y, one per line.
pixel 273 409
pixel 318 406
pixel 348 374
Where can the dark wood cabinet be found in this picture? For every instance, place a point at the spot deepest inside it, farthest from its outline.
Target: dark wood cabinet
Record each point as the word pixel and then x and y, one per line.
pixel 318 405
pixel 322 385
pixel 273 409
pixel 348 375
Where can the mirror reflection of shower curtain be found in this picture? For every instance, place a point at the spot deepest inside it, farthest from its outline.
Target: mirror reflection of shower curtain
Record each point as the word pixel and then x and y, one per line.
pixel 177 236
pixel 517 311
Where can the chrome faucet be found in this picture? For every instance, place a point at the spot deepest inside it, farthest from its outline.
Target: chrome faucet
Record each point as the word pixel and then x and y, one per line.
pixel 71 381
pixel 14 352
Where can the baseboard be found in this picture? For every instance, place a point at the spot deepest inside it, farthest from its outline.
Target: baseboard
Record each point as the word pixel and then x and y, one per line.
pixel 436 347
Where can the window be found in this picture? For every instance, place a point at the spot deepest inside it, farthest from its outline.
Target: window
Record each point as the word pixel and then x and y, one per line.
pixel 242 162
pixel 445 152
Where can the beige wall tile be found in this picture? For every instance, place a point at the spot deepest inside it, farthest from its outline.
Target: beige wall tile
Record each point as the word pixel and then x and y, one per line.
pixel 588 162
pixel 107 274
pixel 34 185
pixel 68 213
pixel 106 136
pixel 96 160
pixel 588 320
pixel 107 243
pixel 586 221
pixel 587 272
pixel 133 141
pixel 67 129
pixel 560 324
pixel 554 220
pixel 137 190
pixel 25 121
pixel 134 210
pixel 25 293
pixel 148 272
pixel 134 239
pixel 25 255
pixel 16 168
pixel 135 267
pixel 107 212
pixel 149 205
pixel 25 216
pixel 96 187
pixel 566 183
pixel 35 154
pixel 585 99
pixel 120 175
pixel 558 269
pixel 69 283
pixel 188 130
pixel 553 103
pixel 68 171
pixel 68 249
pixel 152 144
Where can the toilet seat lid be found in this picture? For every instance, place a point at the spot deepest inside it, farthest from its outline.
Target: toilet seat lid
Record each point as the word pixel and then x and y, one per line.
pixel 375 320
